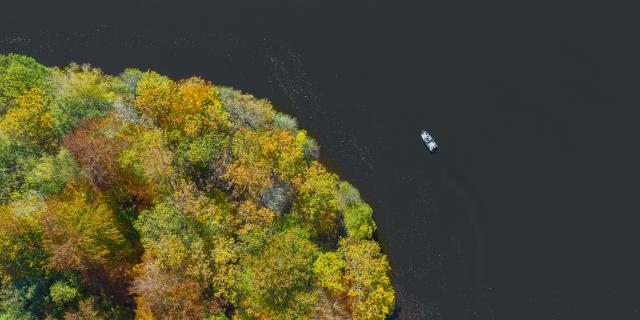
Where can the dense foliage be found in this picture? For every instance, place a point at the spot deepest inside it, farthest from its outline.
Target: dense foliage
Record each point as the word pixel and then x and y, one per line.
pixel 142 197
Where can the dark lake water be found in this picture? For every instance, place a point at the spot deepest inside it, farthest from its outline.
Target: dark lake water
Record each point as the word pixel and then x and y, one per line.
pixel 530 210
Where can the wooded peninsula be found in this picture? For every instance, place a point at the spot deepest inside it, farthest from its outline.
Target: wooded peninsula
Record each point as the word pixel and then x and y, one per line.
pixel 140 197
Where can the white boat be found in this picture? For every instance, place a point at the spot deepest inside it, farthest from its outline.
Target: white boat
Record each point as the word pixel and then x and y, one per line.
pixel 428 141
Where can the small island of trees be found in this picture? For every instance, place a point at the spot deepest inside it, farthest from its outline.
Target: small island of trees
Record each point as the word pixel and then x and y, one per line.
pixel 140 197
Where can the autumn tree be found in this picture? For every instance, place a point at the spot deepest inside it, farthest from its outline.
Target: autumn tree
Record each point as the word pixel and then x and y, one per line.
pixel 262 156
pixel 250 172
pixel 81 233
pixel 162 294
pixel 196 107
pixel 178 266
pixel 226 263
pixel 199 130
pixel 87 310
pixel 31 123
pixel 252 215
pixel 366 277
pixel 96 146
pixel 360 272
pixel 148 164
pixel 190 105
pixel 154 96
pixel 317 200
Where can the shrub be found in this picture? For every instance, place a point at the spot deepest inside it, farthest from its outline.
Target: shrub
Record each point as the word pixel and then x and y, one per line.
pixel 285 121
pixel 356 214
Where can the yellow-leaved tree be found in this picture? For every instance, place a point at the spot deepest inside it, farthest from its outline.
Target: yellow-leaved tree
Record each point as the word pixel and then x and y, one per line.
pixel 30 122
pixel 81 232
pixel 370 293
pixel 317 200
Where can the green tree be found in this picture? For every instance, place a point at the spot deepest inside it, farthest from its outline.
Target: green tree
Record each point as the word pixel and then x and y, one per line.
pixel 278 280
pixel 199 157
pixel 50 174
pixel 148 162
pixel 19 74
pixel 61 293
pixel 9 166
pixel 329 270
pixel 217 316
pixel 81 92
pixel 22 252
pixel 356 214
pixel 14 302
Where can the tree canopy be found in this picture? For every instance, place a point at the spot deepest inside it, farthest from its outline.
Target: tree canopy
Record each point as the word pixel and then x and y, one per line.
pixel 141 197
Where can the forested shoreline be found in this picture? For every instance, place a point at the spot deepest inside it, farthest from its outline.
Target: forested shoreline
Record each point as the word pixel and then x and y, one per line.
pixel 137 196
